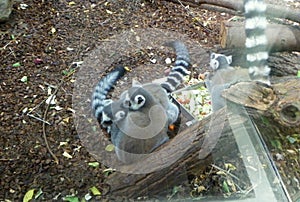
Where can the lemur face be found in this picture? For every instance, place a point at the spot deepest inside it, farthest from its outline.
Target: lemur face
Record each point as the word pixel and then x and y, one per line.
pixel 136 98
pixel 219 61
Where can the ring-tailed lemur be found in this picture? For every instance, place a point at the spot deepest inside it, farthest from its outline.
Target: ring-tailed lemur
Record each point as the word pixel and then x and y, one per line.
pixel 136 100
pixel 181 66
pixel 174 79
pixel 100 104
pixel 138 122
pixel 256 40
pixel 256 54
pixel 142 130
pixel 222 77
pixel 220 61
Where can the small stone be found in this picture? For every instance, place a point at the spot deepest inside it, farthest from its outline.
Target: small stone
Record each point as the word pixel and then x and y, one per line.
pixel 168 61
pixel 153 60
pixel 5 9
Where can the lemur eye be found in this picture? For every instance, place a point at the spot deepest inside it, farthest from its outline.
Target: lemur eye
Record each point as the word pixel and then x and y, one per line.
pixel 139 99
pixel 127 103
pixel 120 115
pixel 212 56
pixel 216 64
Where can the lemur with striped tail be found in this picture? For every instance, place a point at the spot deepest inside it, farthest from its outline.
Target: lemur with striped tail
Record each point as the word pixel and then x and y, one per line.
pixel 181 66
pixel 161 92
pixel 100 103
pixel 128 119
pixel 225 75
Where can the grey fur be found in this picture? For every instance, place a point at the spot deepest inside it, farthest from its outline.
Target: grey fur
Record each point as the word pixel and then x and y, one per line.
pixel 181 66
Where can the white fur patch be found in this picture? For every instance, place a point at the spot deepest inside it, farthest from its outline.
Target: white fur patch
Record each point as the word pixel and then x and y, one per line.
pixel 98 111
pixel 176 73
pixel 175 80
pixel 256 22
pixel 264 55
pixel 179 62
pixel 255 5
pixel 255 41
pixel 261 74
pixel 264 71
pixel 172 88
pixel 176 68
pixel 105 118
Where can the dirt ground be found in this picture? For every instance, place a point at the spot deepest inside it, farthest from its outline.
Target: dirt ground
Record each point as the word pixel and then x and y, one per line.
pixel 44 42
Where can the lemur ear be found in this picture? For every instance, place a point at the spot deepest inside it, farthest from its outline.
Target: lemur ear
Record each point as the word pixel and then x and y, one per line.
pixel 229 59
pixel 212 55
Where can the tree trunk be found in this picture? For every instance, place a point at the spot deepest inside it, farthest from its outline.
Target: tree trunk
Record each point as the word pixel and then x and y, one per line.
pixel 236 8
pixel 281 63
pixel 280 37
pixel 193 147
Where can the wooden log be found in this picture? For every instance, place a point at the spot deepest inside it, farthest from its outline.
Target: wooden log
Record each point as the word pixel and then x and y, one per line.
pixel 281 63
pixel 275 110
pixel 196 157
pixel 280 37
pixel 236 8
pixel 279 103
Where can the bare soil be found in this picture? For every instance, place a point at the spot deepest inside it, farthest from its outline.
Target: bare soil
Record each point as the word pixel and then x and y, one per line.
pixel 39 46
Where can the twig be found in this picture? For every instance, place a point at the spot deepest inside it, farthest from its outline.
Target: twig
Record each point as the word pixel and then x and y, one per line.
pixel 7 159
pixel 48 107
pixel 37 118
pixel 45 116
pixel 44 124
pixel 4 47
pixel 225 171
pixel 233 176
pixel 46 112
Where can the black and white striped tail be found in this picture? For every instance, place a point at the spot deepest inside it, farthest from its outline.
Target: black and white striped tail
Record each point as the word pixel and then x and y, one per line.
pixel 256 40
pixel 180 69
pixel 99 100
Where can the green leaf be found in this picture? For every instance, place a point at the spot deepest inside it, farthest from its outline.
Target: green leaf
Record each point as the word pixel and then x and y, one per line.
pixel 265 121
pixel 110 148
pixel 94 164
pixel 230 166
pixel 28 196
pixel 298 75
pixel 71 198
pixel 17 64
pixel 67 72
pixel 94 128
pixel 175 190
pixel 108 171
pixel 292 140
pixel 225 187
pixel 276 144
pixel 95 191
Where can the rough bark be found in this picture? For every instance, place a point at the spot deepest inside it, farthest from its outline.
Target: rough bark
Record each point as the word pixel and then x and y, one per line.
pixel 276 110
pixel 279 104
pixel 280 37
pixel 236 8
pixel 281 63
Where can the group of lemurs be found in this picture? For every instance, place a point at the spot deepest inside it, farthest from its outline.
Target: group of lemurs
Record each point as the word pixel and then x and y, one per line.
pixel 139 120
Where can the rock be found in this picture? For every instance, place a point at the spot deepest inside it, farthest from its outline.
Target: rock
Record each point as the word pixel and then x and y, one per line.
pixel 5 9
